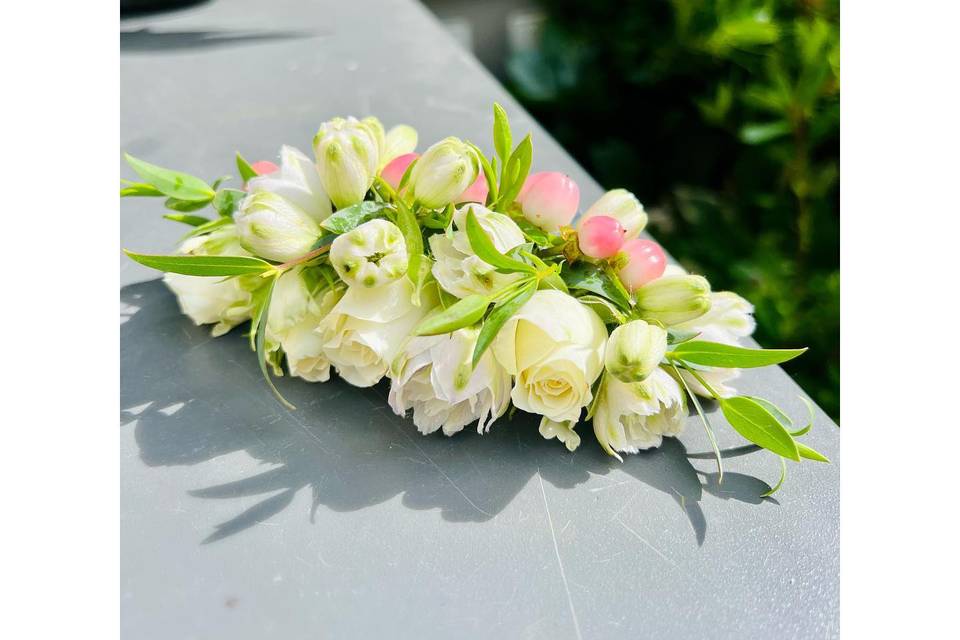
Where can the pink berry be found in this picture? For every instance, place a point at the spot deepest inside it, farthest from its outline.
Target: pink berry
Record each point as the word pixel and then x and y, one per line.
pixel 549 200
pixel 601 236
pixel 393 172
pixel 647 263
pixel 263 167
pixel 477 192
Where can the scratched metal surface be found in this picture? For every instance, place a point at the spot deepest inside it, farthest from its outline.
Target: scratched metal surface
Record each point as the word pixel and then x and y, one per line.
pixel 242 520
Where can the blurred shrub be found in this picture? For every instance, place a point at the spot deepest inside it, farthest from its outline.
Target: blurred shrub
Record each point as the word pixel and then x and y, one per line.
pixel 723 117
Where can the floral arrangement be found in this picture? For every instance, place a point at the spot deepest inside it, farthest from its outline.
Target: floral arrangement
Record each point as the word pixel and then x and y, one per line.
pixel 469 283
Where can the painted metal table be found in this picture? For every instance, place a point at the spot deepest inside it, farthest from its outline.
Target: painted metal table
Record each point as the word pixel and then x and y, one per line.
pixel 243 520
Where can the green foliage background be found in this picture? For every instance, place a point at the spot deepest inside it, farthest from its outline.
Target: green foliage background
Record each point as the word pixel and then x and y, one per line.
pixel 723 117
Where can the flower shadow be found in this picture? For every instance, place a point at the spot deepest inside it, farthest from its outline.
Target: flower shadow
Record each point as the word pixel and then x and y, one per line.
pixel 194 399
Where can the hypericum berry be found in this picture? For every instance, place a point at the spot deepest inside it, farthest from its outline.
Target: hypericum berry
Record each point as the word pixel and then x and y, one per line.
pixel 393 172
pixel 549 200
pixel 601 237
pixel 477 192
pixel 647 262
pixel 264 167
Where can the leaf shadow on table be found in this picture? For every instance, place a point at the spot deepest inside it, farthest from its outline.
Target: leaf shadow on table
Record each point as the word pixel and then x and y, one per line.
pixel 195 398
pixel 146 40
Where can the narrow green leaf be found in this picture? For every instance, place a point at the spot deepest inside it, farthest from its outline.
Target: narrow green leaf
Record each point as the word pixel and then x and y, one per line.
pixel 532 232
pixel 203 265
pixel 759 426
pixel 707 427
pixel 207 227
pixel 139 189
pixel 171 183
pixel 811 454
pixel 502 137
pixel 783 476
pixel 715 354
pixel 777 413
pixel 175 204
pixel 260 323
pixel 349 218
pixel 407 222
pixel 227 200
pixel 515 173
pixel 186 218
pixel 499 316
pixel 677 336
pixel 488 173
pixel 809 425
pixel 588 277
pixel 464 313
pixel 485 249
pixel 607 311
pixel 406 175
pixel 246 171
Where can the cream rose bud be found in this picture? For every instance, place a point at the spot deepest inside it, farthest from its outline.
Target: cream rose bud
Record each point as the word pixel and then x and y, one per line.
pixel 272 227
pixel 621 205
pixel 400 140
pixel 373 254
pixel 434 377
pixel 348 155
pixel 634 350
pixel 298 182
pixel 364 331
pixel 223 302
pixel 633 416
pixel 443 172
pixel 458 269
pixel 672 300
pixel 554 347
pixel 294 313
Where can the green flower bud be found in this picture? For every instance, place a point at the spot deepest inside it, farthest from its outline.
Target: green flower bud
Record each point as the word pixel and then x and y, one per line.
pixel 348 154
pixel 671 300
pixel 634 350
pixel 443 172
pixel 272 227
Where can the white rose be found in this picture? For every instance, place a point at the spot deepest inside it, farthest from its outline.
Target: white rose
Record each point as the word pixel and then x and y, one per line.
pixel 371 255
pixel 458 269
pixel 224 302
pixel 296 181
pixel 433 376
pixel 294 314
pixel 554 346
pixel 365 330
pixel 633 416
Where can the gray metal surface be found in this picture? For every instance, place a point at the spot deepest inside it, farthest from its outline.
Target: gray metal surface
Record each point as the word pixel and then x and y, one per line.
pixel 243 520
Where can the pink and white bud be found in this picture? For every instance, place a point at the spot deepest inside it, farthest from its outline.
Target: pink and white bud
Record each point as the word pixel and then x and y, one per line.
pixel 393 172
pixel 549 200
pixel 477 192
pixel 647 262
pixel 601 237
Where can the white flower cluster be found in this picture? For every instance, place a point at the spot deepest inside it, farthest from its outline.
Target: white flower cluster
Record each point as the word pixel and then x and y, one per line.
pixel 357 306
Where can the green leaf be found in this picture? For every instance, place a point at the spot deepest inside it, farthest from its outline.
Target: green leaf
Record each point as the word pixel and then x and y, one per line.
pixel 407 222
pixel 488 173
pixel 485 249
pixel 246 171
pixel 405 178
pixel 783 476
pixel 759 426
pixel 185 218
pixel 809 425
pixel 758 133
pixel 502 137
pixel 811 454
pixel 227 200
pixel 607 311
pixel 515 173
pixel 715 354
pixel 532 232
pixel 171 183
pixel 707 427
pixel 463 313
pixel 175 204
pixel 203 265
pixel 499 316
pixel 139 189
pixel 588 277
pixel 676 336
pixel 207 227
pixel 260 325
pixel 349 218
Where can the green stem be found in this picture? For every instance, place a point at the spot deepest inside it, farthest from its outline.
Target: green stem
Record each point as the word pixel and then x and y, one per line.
pixel 706 386
pixel 703 419
pixel 304 258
